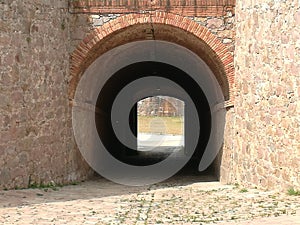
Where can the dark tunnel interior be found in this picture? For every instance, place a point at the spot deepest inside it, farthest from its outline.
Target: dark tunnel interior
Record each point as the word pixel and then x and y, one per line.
pixel 126 75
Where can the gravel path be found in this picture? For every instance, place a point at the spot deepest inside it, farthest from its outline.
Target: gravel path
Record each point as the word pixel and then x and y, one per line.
pixel 180 200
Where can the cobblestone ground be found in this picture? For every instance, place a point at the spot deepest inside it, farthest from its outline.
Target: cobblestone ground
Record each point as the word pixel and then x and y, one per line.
pixel 180 200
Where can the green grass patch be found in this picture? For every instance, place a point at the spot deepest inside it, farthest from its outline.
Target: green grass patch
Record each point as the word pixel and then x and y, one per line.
pixel 243 190
pixel 293 192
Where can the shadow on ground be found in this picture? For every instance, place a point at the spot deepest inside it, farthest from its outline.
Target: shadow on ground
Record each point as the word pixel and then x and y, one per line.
pixel 97 187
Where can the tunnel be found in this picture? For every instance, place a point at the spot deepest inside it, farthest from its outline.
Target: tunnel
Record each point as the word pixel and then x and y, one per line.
pixel 133 72
pixel 146 68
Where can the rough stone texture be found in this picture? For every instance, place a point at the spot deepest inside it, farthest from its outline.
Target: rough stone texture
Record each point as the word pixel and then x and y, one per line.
pixel 221 26
pixel 36 144
pixel 263 147
pixel 80 26
pixel 262 133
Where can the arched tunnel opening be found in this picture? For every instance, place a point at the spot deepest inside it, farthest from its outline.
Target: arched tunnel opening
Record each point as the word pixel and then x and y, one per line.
pixel 125 76
pixel 105 112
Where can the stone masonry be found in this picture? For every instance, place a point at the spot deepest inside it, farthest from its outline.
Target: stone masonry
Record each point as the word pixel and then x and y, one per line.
pixel 36 143
pixel 37 38
pixel 221 26
pixel 263 137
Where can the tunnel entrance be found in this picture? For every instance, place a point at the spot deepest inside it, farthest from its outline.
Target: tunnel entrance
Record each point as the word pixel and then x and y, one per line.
pixel 148 69
pixel 124 77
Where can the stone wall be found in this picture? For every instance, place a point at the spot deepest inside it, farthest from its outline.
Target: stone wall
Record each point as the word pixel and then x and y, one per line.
pixel 265 146
pixel 216 15
pixel 36 144
pixel 36 39
pixel 262 131
pixel 222 26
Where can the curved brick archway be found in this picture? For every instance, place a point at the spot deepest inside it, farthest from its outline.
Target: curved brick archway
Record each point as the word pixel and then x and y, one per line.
pixel 156 26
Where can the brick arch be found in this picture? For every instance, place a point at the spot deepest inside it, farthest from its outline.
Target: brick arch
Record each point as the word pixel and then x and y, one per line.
pixel 158 26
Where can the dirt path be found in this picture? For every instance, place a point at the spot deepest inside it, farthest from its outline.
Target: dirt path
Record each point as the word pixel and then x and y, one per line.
pixel 181 200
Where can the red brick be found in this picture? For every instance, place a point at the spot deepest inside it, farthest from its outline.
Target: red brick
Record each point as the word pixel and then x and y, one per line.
pixel 86 51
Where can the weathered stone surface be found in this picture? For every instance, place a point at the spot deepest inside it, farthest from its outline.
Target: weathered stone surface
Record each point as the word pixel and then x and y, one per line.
pixel 82 24
pixel 215 23
pixel 34 110
pixel 261 145
pixel 266 115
